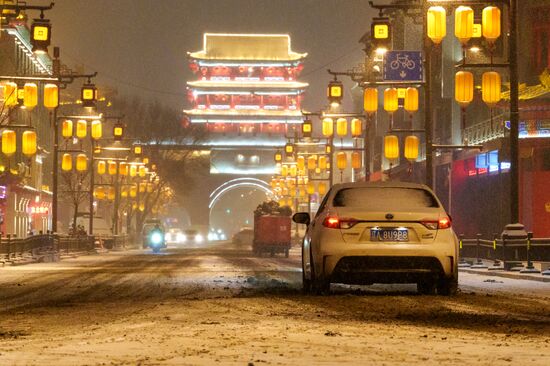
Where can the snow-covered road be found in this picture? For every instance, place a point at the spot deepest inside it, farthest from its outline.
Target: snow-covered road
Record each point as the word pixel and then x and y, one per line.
pixel 219 304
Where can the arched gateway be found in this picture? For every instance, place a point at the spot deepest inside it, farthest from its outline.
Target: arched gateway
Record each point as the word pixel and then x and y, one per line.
pixel 236 183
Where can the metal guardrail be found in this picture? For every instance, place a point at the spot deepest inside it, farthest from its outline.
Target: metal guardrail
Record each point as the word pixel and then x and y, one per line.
pixel 505 252
pixel 35 247
pixel 485 131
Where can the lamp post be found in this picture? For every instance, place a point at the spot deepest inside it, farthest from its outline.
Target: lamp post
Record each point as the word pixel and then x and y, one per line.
pixel 428 108
pixel 62 80
pixel 514 112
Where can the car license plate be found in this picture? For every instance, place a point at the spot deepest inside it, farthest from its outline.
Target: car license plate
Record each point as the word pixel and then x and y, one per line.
pixel 389 235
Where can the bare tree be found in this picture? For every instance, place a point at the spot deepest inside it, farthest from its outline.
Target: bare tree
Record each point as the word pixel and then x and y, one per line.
pixel 167 143
pixel 75 188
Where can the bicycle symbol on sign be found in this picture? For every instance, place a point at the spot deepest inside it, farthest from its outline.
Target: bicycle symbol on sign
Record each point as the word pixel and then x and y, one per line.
pixel 402 61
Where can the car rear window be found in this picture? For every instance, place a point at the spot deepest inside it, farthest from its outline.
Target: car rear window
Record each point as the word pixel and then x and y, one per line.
pixel 190 232
pixel 382 198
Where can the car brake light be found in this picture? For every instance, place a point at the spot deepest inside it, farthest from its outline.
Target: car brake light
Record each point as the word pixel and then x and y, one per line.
pixel 331 222
pixel 334 222
pixel 442 223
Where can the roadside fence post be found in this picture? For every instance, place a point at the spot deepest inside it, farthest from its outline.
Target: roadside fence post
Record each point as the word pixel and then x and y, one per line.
pixel 530 268
pixel 497 263
pixel 504 238
pixel 9 246
pixel 462 263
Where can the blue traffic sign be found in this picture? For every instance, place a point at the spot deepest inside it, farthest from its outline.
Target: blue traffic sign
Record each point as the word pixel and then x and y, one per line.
pixel 403 66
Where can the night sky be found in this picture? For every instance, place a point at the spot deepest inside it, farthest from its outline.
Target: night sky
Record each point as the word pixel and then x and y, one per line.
pixel 139 46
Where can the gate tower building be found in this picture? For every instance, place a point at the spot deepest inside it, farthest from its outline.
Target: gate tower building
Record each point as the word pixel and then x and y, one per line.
pixel 247 95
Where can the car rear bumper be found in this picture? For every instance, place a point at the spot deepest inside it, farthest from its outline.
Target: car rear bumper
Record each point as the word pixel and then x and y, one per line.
pixel 367 270
pixel 388 263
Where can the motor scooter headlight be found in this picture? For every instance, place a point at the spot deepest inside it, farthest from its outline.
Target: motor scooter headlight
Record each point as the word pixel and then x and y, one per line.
pixel 156 238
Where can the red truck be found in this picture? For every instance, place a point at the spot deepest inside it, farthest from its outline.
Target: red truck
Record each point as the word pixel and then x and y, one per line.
pixel 271 234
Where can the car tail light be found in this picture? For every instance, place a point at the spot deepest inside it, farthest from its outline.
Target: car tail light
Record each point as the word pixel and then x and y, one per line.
pixel 334 222
pixel 442 223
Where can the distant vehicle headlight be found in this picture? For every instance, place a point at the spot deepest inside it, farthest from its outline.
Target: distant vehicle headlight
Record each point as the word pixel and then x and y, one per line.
pixel 181 238
pixel 156 238
pixel 199 238
pixel 168 237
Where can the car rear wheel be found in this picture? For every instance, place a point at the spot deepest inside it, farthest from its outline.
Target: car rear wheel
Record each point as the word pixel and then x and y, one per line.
pixel 426 287
pixel 447 286
pixel 319 286
pixel 306 283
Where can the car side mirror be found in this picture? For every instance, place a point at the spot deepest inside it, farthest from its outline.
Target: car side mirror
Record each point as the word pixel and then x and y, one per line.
pixel 301 218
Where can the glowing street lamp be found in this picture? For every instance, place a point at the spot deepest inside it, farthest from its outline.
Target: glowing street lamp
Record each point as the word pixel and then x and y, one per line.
pixel 370 100
pixel 51 96
pixel 81 128
pixel 9 142
pixel 391 147
pixel 118 131
pixel 67 162
pixel 381 34
pixel 328 127
pixel 307 128
pixel 88 94
pixel 29 143
pixel 41 35
pixel 30 95
pixel 341 127
pixel 490 24
pixel 81 163
pixel 10 94
pixel 437 23
pixel 278 156
pixel 411 148
pixel 490 88
pixel 289 149
pixel 356 127
pixel 67 129
pixel 97 129
pixel 335 92
pixel 464 88
pixel 464 24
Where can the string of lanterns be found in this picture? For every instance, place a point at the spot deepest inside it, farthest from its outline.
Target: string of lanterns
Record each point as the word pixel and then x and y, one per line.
pixel 464 24
pixel 26 97
pixel 391 105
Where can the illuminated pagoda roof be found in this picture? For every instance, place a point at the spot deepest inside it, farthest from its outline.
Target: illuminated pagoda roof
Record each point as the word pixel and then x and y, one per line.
pixel 247 47
pixel 230 84
pixel 246 116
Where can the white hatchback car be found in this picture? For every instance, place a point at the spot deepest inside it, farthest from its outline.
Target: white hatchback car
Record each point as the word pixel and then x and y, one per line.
pixel 380 232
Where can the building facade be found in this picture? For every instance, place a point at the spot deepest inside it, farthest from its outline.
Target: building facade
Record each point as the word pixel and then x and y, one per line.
pixel 25 196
